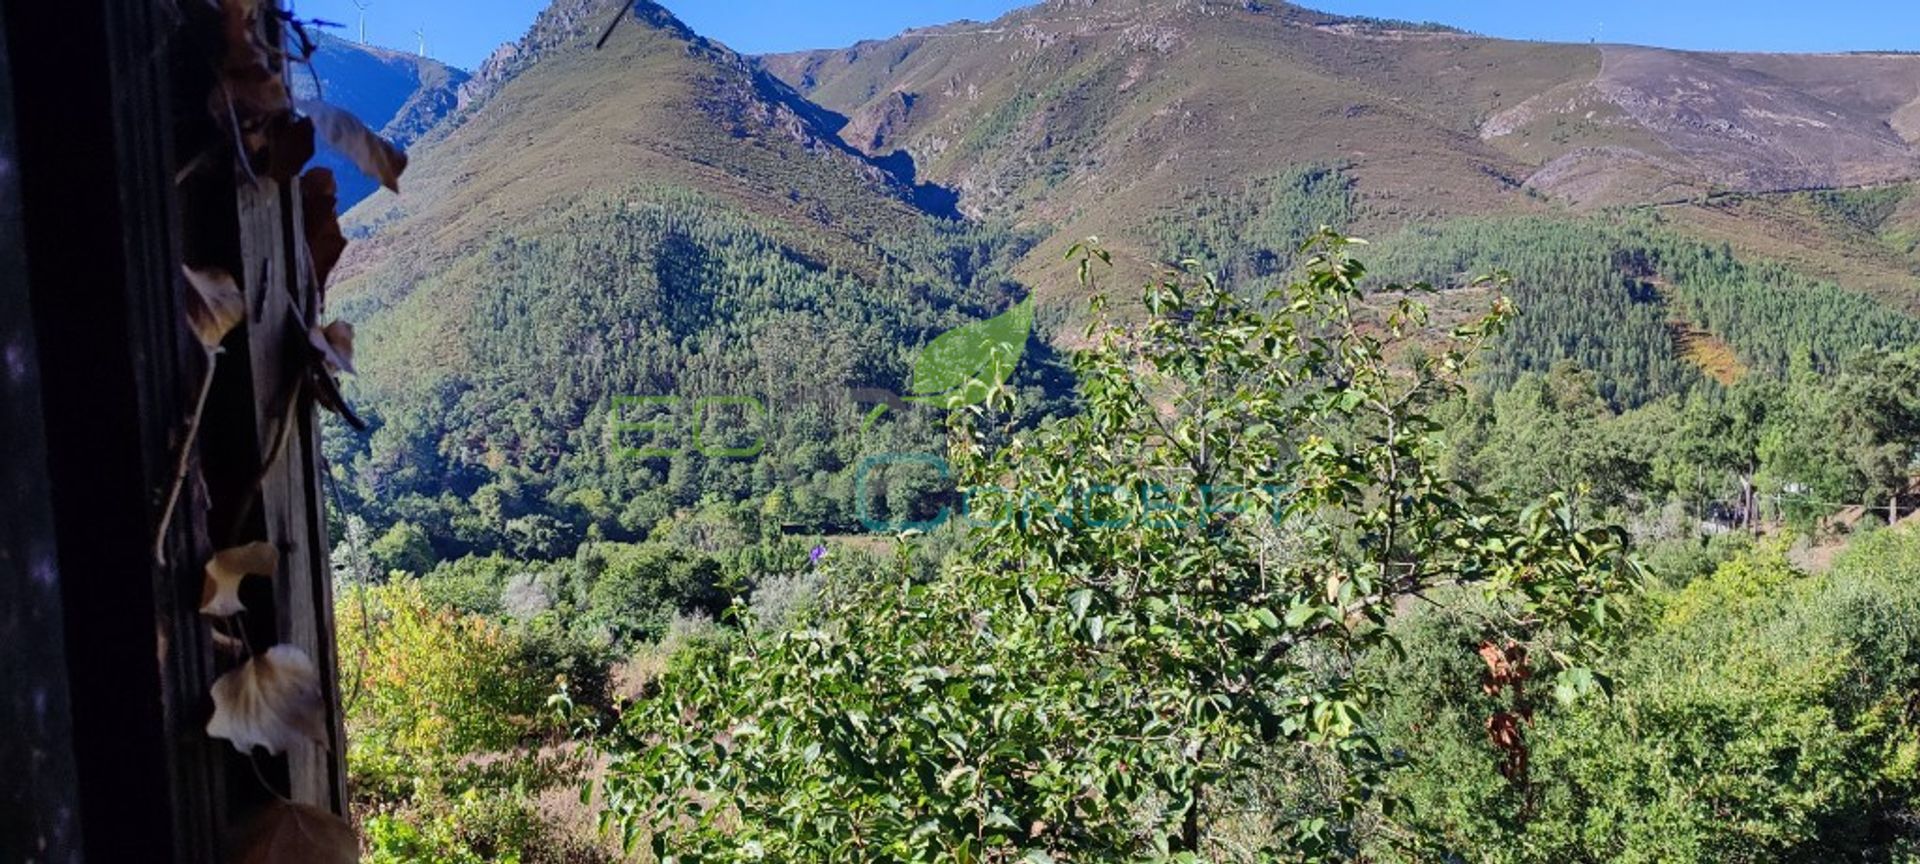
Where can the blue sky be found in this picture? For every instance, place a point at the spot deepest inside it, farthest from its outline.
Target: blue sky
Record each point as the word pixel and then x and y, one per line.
pixel 1715 25
pixel 463 32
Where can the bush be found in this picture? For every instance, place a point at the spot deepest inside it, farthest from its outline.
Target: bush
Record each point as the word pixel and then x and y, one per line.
pixel 1763 715
pixel 404 548
pixel 634 591
pixel 450 727
pixel 472 585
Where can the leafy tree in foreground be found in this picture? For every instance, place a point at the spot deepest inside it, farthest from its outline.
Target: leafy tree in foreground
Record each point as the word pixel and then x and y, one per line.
pixel 1150 649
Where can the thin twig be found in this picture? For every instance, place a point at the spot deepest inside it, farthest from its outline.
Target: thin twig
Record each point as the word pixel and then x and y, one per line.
pixel 239 141
pixel 253 761
pixel 185 458
pixel 193 166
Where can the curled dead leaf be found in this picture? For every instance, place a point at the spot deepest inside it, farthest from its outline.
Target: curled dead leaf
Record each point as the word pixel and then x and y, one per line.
pixel 319 206
pixel 288 832
pixel 214 305
pixel 227 569
pixel 375 156
pixel 247 93
pixel 250 87
pixel 334 343
pixel 1504 730
pixel 1506 666
pixel 326 391
pixel 272 701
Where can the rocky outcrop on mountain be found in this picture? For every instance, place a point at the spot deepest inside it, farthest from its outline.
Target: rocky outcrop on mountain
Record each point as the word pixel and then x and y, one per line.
pixel 877 125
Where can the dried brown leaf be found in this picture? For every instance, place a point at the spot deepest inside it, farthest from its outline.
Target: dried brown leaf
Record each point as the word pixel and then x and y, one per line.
pixel 214 305
pixel 249 85
pixel 248 93
pixel 228 568
pixel 273 701
pixel 327 393
pixel 288 832
pixel 334 344
pixel 375 156
pixel 319 206
pixel 237 11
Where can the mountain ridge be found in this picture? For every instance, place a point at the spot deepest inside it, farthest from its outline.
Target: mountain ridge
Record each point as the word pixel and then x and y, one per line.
pixel 1495 121
pixel 658 101
pixel 401 95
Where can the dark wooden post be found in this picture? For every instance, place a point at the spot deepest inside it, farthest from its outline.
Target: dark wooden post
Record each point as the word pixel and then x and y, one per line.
pixel 122 175
pixel 39 809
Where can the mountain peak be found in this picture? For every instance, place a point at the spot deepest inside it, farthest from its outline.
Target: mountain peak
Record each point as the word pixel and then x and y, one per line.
pixel 574 108
pixel 563 26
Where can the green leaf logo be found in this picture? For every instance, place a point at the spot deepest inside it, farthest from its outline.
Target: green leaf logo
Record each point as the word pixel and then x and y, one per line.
pixel 963 365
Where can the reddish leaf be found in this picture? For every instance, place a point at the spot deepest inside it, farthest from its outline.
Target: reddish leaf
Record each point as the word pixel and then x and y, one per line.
pixel 250 87
pixel 287 832
pixel 319 203
pixel 1506 667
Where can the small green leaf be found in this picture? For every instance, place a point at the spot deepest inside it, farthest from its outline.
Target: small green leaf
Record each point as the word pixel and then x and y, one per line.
pixel 961 366
pixel 1078 601
pixel 1573 684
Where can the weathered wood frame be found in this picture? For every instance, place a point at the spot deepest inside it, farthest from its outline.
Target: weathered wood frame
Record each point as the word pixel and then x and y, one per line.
pixel 109 664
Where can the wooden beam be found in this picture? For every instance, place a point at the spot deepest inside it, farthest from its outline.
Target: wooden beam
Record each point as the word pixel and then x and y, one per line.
pixel 94 118
pixel 106 92
pixel 39 807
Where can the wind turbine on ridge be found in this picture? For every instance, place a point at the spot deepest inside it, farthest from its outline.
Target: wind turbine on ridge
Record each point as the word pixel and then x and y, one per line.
pixel 422 33
pixel 362 6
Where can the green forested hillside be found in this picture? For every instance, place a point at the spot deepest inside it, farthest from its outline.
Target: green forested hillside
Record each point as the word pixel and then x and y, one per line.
pixel 1614 294
pixel 661 218
pixel 650 220
pixel 510 441
pixel 1252 237
pixel 1624 294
